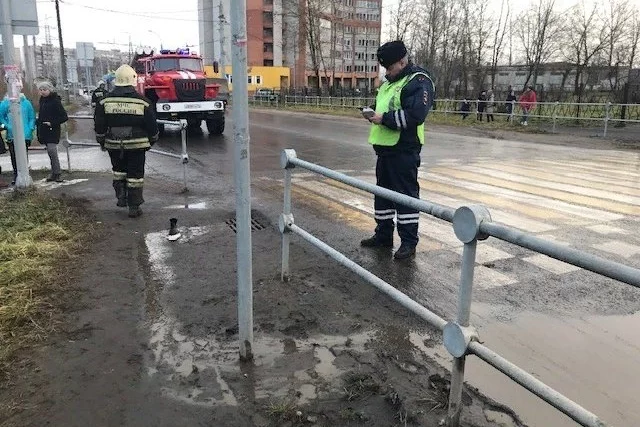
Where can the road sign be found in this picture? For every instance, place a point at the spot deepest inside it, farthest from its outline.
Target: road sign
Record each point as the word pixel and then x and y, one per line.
pixel 24 17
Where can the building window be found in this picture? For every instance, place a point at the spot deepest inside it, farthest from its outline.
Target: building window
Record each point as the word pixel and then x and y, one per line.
pixel 258 80
pixel 268 47
pixel 267 32
pixel 268 2
pixel 268 62
pixel 229 78
pixel 250 80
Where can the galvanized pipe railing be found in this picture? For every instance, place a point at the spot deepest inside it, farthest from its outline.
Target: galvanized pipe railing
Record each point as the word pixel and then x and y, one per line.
pixel 470 224
pixel 183 156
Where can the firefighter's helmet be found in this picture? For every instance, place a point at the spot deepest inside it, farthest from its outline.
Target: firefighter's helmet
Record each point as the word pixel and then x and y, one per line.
pixel 125 76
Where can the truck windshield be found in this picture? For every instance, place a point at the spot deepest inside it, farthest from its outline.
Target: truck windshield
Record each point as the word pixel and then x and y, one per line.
pixel 167 64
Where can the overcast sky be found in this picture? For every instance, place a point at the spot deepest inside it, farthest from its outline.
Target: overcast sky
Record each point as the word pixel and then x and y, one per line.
pixel 110 23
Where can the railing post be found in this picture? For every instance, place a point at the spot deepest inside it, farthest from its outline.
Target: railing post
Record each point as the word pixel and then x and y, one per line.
pixel 457 335
pixel 286 217
pixel 67 145
pixel 185 156
pixel 555 115
pixel 606 118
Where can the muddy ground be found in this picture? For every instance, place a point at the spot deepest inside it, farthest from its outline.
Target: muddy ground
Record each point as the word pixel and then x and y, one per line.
pixel 150 336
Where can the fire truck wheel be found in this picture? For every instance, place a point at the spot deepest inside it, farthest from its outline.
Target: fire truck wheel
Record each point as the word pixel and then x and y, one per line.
pixel 215 126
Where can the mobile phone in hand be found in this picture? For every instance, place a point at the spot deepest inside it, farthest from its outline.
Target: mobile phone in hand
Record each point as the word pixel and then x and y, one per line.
pixel 367 113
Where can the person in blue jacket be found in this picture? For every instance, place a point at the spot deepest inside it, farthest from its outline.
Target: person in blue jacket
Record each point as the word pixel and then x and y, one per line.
pixel 28 124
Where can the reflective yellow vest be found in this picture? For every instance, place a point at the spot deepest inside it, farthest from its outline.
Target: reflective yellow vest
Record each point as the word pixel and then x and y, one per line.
pixel 388 99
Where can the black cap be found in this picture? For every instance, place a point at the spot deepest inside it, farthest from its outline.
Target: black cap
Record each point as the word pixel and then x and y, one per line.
pixel 391 52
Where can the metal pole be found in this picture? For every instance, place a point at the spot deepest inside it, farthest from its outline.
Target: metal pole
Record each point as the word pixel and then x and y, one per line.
pixel 242 172
pixel 606 118
pixel 285 236
pixel 464 312
pixel 185 156
pixel 221 22
pixel 63 61
pixel 555 115
pixel 12 75
pixel 67 146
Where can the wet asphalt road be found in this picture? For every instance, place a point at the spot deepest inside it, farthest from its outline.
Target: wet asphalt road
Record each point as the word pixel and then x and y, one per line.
pixel 575 331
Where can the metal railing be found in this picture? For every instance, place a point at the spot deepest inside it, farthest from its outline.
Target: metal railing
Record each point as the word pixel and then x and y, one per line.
pixel 470 224
pixel 183 156
pixel 547 112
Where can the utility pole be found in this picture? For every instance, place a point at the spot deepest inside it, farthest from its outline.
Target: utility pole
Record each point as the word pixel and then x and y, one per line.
pixel 12 75
pixel 242 175
pixel 35 57
pixel 63 61
pixel 221 21
pixel 27 62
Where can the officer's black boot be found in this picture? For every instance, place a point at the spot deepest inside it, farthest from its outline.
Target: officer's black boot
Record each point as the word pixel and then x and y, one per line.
pixel 121 193
pixel 377 242
pixel 405 251
pixel 134 199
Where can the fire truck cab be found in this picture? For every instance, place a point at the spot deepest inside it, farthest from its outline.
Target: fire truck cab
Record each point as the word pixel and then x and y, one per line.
pixel 175 82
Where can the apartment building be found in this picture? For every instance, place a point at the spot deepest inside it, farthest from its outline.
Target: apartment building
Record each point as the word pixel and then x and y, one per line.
pixel 336 46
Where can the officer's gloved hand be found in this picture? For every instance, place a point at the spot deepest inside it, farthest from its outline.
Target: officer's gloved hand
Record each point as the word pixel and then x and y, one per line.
pixel 154 139
pixel 101 142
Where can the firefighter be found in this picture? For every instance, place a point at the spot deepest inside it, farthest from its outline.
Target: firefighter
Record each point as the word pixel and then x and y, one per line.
pixel 98 94
pixel 402 104
pixel 125 125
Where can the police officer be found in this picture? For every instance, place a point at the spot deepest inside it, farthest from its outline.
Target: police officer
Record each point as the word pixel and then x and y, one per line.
pixel 125 125
pixel 98 94
pixel 402 104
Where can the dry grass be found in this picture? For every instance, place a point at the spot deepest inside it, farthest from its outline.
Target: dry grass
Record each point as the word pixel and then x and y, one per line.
pixel 39 236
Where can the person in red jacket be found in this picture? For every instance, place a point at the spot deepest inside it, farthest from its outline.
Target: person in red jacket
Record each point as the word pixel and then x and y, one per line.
pixel 527 103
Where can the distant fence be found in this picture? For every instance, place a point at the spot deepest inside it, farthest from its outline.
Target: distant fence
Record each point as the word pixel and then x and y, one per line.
pixel 603 114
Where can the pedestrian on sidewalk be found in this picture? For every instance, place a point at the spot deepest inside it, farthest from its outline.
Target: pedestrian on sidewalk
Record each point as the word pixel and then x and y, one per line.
pixel 402 104
pixel 51 116
pixel 527 102
pixel 511 100
pixel 125 125
pixel 491 105
pixel 465 108
pixel 481 104
pixel 28 125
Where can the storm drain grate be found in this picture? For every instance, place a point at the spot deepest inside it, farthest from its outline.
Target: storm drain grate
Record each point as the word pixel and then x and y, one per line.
pixel 255 225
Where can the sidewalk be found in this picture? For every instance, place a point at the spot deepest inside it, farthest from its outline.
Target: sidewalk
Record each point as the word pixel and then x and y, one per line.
pixel 153 340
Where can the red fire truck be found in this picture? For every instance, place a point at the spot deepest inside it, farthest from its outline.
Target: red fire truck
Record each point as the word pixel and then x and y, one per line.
pixel 174 81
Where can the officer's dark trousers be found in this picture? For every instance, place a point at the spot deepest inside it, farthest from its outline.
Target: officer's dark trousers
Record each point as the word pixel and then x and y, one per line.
pixel 128 174
pixel 397 172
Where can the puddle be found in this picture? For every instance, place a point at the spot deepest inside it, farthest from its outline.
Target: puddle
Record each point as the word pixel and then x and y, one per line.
pixel 193 369
pixel 592 360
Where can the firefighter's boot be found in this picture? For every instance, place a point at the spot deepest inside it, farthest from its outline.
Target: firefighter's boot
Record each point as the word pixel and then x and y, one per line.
pixel 121 193
pixel 134 199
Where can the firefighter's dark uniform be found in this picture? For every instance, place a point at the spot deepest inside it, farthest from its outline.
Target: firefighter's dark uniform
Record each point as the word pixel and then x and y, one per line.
pixel 98 95
pixel 404 102
pixel 125 125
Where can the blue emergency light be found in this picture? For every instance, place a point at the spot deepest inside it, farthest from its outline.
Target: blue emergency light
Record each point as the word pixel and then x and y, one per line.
pixel 184 51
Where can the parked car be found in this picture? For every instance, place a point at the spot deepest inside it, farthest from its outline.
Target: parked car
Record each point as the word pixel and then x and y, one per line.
pixel 265 95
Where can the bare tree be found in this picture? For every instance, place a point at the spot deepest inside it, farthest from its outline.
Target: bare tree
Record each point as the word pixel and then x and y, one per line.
pixel 403 17
pixel 501 29
pixel 586 37
pixel 616 25
pixel 633 37
pixel 538 28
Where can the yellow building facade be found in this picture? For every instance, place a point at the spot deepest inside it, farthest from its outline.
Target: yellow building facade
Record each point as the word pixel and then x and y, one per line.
pixel 258 77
